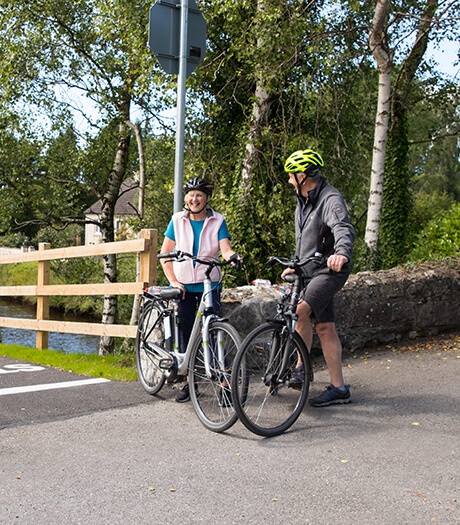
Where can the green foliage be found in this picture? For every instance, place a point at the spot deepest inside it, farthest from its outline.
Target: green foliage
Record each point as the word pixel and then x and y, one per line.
pixel 440 238
pixel 396 197
pixel 260 226
pixel 23 274
pixel 427 206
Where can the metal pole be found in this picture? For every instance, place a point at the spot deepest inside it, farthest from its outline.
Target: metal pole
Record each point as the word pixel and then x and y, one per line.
pixel 180 124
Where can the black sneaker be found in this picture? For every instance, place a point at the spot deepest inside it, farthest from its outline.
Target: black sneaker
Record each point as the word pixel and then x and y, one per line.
pixel 183 395
pixel 225 397
pixel 332 396
pixel 297 379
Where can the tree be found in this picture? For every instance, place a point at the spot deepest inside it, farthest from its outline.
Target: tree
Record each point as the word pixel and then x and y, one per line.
pixel 94 47
pixel 394 203
pixel 396 198
pixel 378 43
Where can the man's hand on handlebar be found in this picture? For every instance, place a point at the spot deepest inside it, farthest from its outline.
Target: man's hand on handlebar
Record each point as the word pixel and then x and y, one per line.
pixel 336 261
pixel 287 271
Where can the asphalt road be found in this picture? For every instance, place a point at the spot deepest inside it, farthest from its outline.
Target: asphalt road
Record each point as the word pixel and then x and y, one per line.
pixel 107 453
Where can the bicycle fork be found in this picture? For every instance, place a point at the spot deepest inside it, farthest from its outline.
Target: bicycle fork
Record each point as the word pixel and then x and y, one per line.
pixel 278 360
pixel 214 352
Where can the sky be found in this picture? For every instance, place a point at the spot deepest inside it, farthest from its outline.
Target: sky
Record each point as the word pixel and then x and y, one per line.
pixel 447 56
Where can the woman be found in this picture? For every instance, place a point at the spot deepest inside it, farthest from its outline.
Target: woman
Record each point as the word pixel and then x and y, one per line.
pixel 203 232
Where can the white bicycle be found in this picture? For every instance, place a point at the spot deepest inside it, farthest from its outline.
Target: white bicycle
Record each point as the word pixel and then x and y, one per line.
pixel 208 358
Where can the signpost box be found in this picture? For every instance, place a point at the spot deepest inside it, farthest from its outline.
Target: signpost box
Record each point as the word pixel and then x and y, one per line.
pixel 177 37
pixel 165 34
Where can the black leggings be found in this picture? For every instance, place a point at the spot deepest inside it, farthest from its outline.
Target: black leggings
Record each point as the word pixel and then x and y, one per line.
pixel 187 311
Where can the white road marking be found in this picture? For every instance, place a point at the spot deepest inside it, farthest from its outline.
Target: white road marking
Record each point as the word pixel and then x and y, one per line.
pixel 51 386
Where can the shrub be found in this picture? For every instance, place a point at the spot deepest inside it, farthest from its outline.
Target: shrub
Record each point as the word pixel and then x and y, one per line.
pixel 440 238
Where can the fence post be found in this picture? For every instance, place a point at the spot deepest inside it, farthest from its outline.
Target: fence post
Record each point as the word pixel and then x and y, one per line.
pixel 148 259
pixel 43 303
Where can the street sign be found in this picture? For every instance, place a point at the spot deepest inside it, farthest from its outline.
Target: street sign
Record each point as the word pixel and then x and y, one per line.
pixel 165 34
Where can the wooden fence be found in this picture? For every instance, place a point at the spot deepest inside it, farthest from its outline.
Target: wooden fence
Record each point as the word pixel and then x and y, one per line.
pixel 146 246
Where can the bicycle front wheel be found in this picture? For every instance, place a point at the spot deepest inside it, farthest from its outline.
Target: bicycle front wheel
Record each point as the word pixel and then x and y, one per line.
pixel 210 376
pixel 265 400
pixel 150 330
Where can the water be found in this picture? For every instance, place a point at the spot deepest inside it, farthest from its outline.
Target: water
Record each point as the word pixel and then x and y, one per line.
pixel 68 343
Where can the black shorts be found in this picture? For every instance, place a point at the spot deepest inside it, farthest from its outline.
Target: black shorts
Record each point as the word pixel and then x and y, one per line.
pixel 319 293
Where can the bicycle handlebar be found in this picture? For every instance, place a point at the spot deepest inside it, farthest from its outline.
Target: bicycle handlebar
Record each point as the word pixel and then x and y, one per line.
pixel 295 263
pixel 181 256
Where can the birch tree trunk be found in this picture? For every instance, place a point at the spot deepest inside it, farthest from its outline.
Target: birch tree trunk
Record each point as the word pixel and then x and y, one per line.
pixel 378 44
pixel 109 199
pixel 140 210
pixel 259 119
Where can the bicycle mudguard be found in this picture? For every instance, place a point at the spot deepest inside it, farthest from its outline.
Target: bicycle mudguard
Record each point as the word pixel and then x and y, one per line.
pixel 162 292
pixel 221 319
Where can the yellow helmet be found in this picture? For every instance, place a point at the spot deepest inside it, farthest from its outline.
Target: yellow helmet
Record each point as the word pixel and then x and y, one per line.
pixel 300 160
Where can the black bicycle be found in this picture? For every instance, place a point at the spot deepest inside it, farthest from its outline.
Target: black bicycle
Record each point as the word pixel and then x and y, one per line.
pixel 209 355
pixel 272 371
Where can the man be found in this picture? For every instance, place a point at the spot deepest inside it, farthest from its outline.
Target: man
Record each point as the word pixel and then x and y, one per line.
pixel 322 226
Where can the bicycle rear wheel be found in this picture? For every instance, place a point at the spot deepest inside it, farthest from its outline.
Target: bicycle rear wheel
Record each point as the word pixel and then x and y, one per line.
pixel 263 399
pixel 211 392
pixel 150 330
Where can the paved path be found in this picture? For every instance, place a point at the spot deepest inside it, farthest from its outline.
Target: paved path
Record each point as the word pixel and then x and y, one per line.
pixel 390 457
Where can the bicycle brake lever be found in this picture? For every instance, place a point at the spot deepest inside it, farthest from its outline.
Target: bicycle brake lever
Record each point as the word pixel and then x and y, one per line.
pixel 271 262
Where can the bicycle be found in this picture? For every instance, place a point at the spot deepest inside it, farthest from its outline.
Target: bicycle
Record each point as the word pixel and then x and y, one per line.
pixel 208 357
pixel 264 400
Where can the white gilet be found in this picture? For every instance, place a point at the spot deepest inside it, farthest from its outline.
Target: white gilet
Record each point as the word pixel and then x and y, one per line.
pixel 186 272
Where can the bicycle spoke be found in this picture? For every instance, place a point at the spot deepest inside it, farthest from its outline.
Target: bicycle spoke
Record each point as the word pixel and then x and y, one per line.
pixel 266 403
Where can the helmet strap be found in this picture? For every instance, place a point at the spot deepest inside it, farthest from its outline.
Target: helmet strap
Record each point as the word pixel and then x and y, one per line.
pixel 300 182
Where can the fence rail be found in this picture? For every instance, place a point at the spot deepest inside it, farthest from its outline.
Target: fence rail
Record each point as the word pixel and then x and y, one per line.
pixel 146 246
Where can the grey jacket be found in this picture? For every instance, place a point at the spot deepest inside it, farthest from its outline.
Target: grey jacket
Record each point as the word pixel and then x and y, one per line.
pixel 322 224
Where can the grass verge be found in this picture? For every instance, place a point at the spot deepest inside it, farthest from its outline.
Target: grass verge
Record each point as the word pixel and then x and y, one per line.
pixel 113 367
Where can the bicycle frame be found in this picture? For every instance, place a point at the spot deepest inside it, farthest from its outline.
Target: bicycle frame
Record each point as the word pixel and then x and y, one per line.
pixel 204 316
pixel 287 314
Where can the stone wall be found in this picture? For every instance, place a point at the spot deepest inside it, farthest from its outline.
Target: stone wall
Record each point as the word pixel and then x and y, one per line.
pixel 373 308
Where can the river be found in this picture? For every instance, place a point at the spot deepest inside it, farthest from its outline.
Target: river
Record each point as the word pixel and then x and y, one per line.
pixel 68 343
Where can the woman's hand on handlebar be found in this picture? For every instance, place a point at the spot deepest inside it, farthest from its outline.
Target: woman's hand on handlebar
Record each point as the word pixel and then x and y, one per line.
pixel 176 284
pixel 236 261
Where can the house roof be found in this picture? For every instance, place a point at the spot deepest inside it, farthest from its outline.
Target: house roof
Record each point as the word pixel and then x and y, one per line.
pixel 126 203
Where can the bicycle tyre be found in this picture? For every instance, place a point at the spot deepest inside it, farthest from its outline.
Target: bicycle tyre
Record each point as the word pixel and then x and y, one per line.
pixel 211 401
pixel 263 399
pixel 150 328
